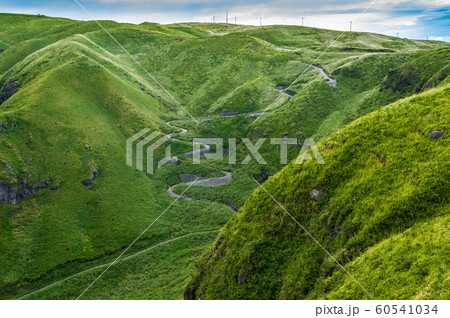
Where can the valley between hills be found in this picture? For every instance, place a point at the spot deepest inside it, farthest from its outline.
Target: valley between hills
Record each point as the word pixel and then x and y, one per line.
pixel 70 97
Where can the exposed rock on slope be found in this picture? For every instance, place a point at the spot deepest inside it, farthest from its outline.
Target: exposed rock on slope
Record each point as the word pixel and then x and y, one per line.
pixel 8 193
pixel 8 90
pixel 11 193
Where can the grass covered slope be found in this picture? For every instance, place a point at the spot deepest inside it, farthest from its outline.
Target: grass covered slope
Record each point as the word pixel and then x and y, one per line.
pixel 382 212
pixel 156 274
pixel 62 146
pixel 70 97
pixel 366 83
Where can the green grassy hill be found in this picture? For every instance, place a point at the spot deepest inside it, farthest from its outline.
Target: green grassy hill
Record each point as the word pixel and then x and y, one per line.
pixel 73 106
pixel 382 211
pixel 70 97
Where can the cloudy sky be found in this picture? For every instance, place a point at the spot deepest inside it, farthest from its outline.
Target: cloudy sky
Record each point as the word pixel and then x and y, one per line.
pixel 417 19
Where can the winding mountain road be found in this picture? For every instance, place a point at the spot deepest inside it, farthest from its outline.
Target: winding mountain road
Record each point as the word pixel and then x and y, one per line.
pixel 210 182
pixel 206 143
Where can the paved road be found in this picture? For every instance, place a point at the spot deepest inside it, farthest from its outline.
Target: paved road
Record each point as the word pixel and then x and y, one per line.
pixel 211 182
pixel 282 89
pixel 330 81
pixel 206 143
pixel 256 115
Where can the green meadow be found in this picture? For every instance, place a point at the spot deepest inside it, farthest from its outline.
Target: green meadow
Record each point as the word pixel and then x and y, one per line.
pixel 70 97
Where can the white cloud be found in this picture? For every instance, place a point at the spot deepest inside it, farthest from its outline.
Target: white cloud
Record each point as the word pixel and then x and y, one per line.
pixel 153 2
pixel 436 38
pixel 307 5
pixel 406 21
pixel 371 20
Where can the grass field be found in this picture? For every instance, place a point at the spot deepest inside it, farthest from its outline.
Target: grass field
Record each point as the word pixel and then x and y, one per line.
pixel 70 98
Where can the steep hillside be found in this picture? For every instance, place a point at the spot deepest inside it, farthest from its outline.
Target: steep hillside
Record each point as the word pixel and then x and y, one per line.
pixel 380 206
pixel 70 97
pixel 68 199
pixel 365 83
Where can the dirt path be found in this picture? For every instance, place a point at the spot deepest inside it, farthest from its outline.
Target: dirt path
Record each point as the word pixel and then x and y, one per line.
pixel 107 264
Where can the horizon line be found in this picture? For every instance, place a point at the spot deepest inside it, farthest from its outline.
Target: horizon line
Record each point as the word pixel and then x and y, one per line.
pixel 192 22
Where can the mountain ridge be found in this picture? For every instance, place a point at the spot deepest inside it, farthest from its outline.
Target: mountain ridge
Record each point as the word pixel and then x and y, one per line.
pixel 71 97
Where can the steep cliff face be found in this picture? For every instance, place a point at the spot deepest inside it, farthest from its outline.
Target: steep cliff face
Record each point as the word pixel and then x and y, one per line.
pixel 8 193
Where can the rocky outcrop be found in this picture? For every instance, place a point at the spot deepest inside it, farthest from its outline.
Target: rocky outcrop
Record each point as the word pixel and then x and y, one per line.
pixel 5 164
pixel 436 134
pixel 26 189
pixel 12 193
pixel 90 182
pixel 317 194
pixel 8 90
pixel 8 193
